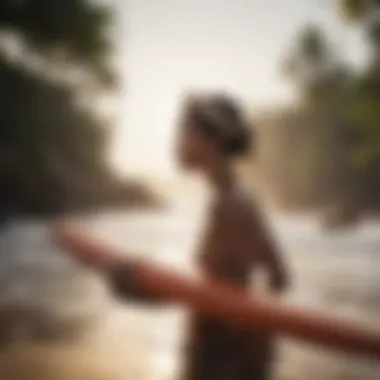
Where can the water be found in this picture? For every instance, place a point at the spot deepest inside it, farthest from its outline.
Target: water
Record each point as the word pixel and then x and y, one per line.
pixel 337 272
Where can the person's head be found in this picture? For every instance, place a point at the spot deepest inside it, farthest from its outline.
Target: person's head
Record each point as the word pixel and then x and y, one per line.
pixel 213 129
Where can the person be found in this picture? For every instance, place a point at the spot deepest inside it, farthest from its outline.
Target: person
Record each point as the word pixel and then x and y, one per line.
pixel 213 132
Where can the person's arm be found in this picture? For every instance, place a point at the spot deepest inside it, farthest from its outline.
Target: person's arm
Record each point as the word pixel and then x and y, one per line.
pixel 274 263
pixel 268 252
pixel 122 277
pixel 121 273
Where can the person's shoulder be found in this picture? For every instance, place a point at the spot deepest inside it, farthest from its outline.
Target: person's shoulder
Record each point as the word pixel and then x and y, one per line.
pixel 241 205
pixel 246 200
pixel 250 211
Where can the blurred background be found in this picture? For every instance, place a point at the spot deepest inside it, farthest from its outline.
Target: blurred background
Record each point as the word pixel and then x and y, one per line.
pixel 89 94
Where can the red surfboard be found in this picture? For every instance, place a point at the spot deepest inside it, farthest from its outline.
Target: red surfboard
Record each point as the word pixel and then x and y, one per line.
pixel 227 303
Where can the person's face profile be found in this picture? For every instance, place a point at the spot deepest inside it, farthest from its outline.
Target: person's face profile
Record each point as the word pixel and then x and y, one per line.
pixel 192 147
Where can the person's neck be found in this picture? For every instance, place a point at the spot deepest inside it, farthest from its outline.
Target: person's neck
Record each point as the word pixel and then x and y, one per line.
pixel 221 177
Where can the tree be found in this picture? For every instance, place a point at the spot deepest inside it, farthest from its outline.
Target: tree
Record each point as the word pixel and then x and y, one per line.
pixel 71 32
pixel 309 138
pixel 367 14
pixel 363 106
pixel 52 147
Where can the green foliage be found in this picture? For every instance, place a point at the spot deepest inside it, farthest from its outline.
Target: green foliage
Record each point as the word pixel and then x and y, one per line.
pixel 357 10
pixel 51 149
pixel 308 55
pixel 361 12
pixel 363 113
pixel 353 10
pixel 74 30
pixel 312 66
pixel 332 145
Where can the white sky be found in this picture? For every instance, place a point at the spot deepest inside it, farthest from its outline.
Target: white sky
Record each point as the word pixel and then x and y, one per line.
pixel 168 46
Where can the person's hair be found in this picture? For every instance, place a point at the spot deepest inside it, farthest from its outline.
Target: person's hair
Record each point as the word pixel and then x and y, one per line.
pixel 219 116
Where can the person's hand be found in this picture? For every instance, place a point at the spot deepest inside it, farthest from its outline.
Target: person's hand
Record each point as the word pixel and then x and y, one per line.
pixel 85 250
pixel 279 283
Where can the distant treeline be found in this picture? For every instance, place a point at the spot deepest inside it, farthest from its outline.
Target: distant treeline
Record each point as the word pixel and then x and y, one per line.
pixel 325 150
pixel 54 70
